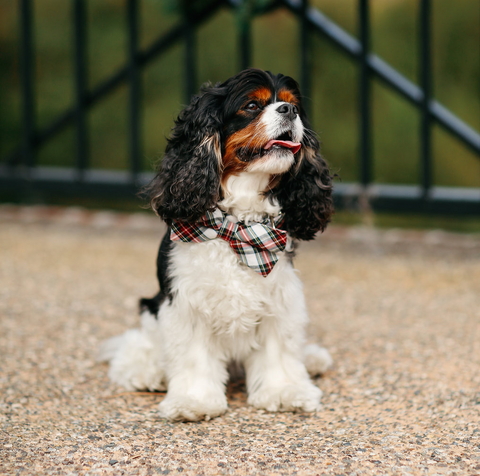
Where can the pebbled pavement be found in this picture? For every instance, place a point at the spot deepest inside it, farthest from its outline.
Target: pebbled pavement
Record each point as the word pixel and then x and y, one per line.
pixel 399 311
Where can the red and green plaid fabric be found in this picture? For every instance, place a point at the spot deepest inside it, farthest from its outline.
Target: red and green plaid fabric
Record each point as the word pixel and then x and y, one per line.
pixel 256 245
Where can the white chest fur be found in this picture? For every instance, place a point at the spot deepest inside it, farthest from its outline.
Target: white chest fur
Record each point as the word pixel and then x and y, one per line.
pixel 244 197
pixel 227 296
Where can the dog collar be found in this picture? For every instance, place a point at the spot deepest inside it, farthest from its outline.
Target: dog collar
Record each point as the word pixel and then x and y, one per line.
pixel 256 245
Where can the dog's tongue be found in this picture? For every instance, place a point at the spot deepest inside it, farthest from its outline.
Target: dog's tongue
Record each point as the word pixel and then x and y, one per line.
pixel 294 146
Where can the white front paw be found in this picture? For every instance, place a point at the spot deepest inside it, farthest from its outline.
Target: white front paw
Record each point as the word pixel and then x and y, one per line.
pixel 291 397
pixel 182 407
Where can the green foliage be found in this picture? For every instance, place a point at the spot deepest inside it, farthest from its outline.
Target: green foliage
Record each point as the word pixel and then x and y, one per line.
pixel 275 41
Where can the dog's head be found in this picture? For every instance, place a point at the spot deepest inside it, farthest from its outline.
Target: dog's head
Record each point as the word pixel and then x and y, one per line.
pixel 252 123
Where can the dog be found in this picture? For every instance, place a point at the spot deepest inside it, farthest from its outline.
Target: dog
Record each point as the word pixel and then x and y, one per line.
pixel 242 181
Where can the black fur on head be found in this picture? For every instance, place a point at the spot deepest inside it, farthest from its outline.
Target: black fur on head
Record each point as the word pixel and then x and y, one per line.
pixel 187 183
pixel 189 180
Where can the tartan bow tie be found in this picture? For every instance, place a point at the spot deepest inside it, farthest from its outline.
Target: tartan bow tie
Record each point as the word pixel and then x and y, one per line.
pixel 256 245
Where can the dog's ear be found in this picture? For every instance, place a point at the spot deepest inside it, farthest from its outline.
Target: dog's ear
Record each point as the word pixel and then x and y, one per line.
pixel 305 193
pixel 187 183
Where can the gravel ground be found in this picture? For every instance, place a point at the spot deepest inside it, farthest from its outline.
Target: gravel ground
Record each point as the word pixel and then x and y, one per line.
pixel 399 311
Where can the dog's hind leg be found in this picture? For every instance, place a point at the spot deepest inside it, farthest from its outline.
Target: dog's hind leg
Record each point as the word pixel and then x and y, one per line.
pixel 317 359
pixel 136 356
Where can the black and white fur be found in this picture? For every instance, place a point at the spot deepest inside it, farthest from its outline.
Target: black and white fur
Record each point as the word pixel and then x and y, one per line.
pixel 212 310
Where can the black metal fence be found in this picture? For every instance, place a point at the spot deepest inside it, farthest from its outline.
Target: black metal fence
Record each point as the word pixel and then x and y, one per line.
pixel 20 172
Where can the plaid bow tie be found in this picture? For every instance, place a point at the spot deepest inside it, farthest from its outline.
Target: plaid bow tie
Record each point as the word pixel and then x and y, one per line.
pixel 256 245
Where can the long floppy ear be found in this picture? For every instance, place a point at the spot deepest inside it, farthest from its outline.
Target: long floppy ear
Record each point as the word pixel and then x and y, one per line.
pixel 305 194
pixel 187 183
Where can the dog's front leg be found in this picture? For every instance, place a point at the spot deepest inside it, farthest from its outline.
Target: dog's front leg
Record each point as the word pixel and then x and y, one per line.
pixel 195 370
pixel 277 379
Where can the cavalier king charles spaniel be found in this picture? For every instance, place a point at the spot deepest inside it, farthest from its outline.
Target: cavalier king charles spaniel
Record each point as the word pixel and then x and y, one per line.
pixel 241 182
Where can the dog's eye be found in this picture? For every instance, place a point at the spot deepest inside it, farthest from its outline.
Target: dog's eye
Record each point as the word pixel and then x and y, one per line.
pixel 252 106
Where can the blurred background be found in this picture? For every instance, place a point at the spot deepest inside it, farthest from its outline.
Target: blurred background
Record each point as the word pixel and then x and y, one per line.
pixel 269 35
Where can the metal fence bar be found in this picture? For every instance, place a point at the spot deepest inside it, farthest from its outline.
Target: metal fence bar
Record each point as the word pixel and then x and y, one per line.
pixel 245 45
pixel 426 85
pixel 27 149
pixel 305 57
pixel 81 149
pixel 190 56
pixel 245 34
pixel 364 93
pixel 134 89
pixel 246 10
pixel 453 124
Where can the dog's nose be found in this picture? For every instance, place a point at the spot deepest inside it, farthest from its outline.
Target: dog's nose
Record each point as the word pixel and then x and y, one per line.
pixel 288 109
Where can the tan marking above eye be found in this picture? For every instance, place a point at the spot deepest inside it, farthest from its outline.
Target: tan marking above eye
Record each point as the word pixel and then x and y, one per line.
pixel 287 96
pixel 261 95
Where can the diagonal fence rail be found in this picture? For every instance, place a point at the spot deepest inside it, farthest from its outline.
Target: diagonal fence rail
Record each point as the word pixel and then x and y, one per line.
pixel 19 171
